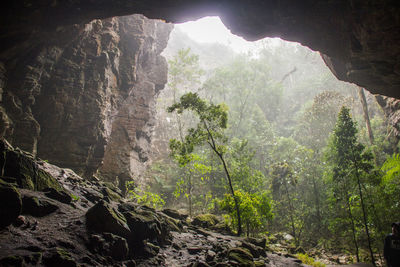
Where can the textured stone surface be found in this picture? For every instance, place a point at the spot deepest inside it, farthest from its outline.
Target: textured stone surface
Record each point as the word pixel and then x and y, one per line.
pixel 77 86
pixel 360 38
pixel 83 98
pixel 10 204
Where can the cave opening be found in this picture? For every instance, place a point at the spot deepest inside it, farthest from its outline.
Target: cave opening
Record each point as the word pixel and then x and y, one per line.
pixel 80 93
pixel 283 102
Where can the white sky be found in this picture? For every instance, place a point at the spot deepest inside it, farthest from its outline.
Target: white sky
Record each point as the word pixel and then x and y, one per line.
pixel 212 30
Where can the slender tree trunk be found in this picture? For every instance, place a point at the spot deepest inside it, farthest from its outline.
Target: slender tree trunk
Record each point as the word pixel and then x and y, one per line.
pixel 364 104
pixel 228 176
pixel 232 192
pixel 353 228
pixel 317 203
pixel 365 217
pixel 190 195
pixel 291 215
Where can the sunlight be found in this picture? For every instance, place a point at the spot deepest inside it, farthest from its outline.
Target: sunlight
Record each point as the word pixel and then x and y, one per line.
pixel 212 30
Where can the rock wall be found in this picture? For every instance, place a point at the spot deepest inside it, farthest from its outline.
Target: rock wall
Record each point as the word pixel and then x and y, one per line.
pixel 360 39
pixel 83 98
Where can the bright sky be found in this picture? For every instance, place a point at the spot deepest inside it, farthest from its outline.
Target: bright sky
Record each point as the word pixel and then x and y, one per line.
pixel 212 30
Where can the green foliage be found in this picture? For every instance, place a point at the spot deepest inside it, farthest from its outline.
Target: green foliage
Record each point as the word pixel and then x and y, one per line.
pixel 351 166
pixel 281 113
pixel 213 120
pixel 210 130
pixel 255 210
pixel 308 260
pixel 391 167
pixel 144 197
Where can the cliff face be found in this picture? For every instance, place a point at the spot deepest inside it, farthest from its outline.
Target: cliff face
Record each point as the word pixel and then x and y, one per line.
pixel 360 39
pixel 83 98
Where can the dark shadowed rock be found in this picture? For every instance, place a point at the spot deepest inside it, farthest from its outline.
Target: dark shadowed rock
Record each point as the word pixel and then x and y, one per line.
pixel 58 257
pixel 145 226
pixel 10 204
pixel 23 167
pixel 117 246
pixel 58 195
pixel 109 245
pixel 102 217
pixel 12 261
pixel 31 205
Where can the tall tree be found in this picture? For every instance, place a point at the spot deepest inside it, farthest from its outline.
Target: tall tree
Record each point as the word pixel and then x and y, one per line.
pixel 210 130
pixel 350 165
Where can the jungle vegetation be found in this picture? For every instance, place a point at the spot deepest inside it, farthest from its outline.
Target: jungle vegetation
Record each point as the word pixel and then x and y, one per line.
pixel 273 142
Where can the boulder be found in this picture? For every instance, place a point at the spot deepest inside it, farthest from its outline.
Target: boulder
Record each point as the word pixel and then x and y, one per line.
pixel 205 220
pixel 109 245
pixel 144 226
pixel 149 249
pixel 58 257
pixel 59 195
pixel 12 261
pixel 23 167
pixel 175 214
pixel 31 205
pixel 10 204
pixel 261 242
pixel 117 246
pixel 242 256
pixel 102 217
pixel 256 251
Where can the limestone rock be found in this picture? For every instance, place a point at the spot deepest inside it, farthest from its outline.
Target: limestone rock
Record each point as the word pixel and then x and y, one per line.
pixel 242 256
pixel 10 204
pixel 31 205
pixel 12 261
pixel 102 217
pixel 59 257
pixel 175 214
pixel 58 195
pixel 23 167
pixel 205 220
pixel 256 251
pixel 109 245
pixel 84 100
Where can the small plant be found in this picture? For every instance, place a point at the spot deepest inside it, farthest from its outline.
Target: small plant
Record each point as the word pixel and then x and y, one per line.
pixel 144 197
pixel 308 260
pixel 74 198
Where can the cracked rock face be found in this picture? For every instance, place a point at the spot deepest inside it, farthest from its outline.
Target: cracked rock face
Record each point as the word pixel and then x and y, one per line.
pixel 83 99
pixel 77 85
pixel 359 39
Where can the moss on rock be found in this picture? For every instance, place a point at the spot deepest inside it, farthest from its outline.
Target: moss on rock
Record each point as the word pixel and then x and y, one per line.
pixel 103 218
pixel 22 166
pixel 205 220
pixel 242 256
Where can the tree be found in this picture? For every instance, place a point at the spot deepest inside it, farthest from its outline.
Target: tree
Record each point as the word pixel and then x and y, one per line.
pixel 210 130
pixel 255 209
pixel 350 165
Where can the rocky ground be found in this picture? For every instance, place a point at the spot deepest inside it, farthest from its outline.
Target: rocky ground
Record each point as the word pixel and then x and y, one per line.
pixel 50 216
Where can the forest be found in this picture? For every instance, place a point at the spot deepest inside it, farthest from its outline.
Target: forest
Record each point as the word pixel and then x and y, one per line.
pixel 273 143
